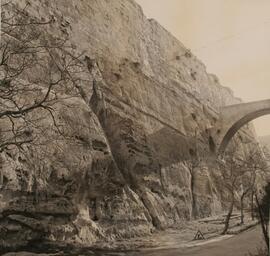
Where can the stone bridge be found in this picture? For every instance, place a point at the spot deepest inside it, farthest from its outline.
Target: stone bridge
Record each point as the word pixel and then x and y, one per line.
pixel 233 117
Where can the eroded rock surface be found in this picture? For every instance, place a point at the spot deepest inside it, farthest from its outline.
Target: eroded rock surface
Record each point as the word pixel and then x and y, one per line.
pixel 121 169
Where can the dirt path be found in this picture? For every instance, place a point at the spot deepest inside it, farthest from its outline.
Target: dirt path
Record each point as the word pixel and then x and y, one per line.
pixel 239 245
pixel 231 245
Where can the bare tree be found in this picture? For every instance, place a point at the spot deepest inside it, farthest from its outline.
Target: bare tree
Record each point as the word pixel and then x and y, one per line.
pixel 241 171
pixel 253 165
pixel 36 71
pixel 245 192
pixel 231 171
pixel 263 203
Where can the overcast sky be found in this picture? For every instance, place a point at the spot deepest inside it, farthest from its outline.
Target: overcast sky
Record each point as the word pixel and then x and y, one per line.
pixel 232 37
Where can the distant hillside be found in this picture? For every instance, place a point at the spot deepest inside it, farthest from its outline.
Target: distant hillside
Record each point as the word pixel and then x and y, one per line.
pixel 265 140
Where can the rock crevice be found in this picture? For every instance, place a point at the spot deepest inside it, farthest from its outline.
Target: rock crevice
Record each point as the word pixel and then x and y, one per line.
pixel 122 168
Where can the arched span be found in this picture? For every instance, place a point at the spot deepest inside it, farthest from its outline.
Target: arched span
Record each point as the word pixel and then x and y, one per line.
pixel 237 125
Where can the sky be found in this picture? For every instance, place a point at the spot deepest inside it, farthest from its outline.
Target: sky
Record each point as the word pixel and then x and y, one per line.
pixel 232 37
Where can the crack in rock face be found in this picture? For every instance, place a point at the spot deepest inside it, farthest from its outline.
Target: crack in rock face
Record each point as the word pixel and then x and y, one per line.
pixel 122 160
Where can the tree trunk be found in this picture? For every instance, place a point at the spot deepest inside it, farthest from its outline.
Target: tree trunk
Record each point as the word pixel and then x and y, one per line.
pixel 252 205
pixel 263 226
pixel 228 217
pixel 242 205
pixel 242 209
pixel 193 213
pixel 193 204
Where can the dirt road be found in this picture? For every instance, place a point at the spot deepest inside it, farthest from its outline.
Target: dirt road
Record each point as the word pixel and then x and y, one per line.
pixel 239 245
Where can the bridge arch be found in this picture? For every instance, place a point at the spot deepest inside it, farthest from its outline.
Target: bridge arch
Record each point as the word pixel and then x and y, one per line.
pixel 235 116
pixel 238 124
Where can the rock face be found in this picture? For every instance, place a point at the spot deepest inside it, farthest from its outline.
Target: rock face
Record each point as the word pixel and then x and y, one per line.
pixel 147 106
pixel 265 141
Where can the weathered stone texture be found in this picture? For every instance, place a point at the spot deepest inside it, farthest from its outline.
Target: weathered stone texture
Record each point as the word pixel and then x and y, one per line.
pixel 121 169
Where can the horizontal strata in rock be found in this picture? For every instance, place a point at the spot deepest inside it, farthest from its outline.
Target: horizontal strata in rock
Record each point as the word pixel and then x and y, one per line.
pixel 147 105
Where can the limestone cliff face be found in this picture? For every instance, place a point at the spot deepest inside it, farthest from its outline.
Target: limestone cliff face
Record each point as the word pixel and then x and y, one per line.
pixel 123 171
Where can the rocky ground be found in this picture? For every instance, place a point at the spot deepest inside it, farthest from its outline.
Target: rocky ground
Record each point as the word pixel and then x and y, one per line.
pixel 182 237
pixel 126 161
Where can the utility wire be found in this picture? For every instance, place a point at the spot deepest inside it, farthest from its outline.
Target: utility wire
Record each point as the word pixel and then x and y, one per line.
pixel 230 37
pixel 225 38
